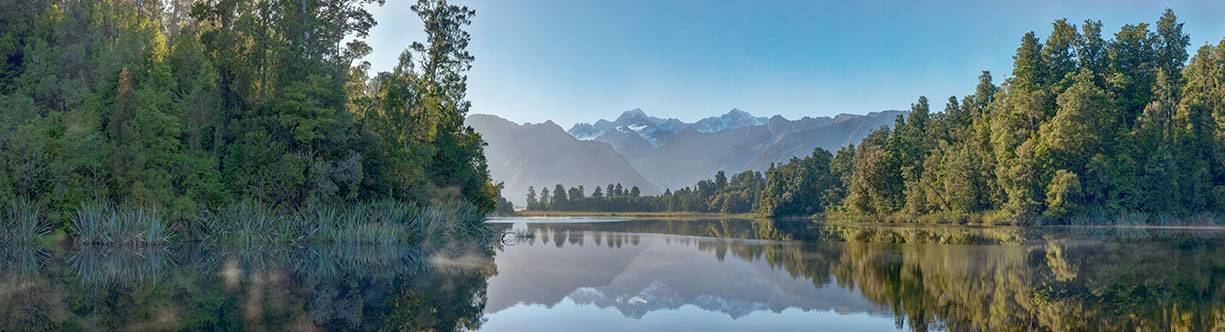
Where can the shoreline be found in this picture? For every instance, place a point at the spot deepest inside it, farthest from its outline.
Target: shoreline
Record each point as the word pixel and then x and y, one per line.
pixel 635 215
pixel 857 220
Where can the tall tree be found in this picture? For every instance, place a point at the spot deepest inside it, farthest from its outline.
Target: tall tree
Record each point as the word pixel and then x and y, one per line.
pixel 1029 70
pixel 532 204
pixel 1059 54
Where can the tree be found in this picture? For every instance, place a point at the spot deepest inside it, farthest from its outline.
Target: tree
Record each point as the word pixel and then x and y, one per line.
pixel 1028 69
pixel 1062 194
pixel 1171 45
pixel 559 199
pixel 1091 51
pixel 1059 54
pixel 911 143
pixel 876 186
pixel 1117 125
pixel 1082 124
pixel 140 103
pixel 532 204
pixel 800 187
pixel 842 168
pixel 1198 132
pixel 545 204
pixel 1130 59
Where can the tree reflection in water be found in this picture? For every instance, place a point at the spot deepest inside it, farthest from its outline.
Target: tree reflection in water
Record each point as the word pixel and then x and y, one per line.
pixel 955 278
pixel 970 278
pixel 266 288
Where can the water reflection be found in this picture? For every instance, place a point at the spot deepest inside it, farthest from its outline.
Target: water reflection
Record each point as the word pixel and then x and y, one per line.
pixel 807 274
pixel 641 275
pixel 266 288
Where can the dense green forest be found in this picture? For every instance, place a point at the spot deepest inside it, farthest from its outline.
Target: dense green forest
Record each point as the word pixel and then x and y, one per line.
pixel 737 195
pixel 179 106
pixel 1085 127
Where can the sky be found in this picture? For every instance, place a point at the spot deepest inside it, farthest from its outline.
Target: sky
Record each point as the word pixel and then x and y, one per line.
pixel 582 60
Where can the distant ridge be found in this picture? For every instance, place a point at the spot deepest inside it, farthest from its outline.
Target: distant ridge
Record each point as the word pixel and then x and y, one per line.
pixel 655 153
pixel 677 154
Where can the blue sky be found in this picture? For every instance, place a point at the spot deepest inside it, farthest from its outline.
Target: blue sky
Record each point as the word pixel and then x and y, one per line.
pixel 581 60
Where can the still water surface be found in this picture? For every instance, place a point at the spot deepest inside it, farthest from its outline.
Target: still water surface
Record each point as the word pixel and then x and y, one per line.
pixel 600 275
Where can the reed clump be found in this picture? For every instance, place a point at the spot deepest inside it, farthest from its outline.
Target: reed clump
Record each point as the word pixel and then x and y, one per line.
pixel 21 221
pixel 104 223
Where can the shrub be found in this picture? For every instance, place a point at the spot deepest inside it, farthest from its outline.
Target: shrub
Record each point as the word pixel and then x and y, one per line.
pixel 104 223
pixel 21 221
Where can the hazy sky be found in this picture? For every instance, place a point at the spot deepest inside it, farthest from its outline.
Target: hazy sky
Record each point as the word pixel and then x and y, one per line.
pixel 581 60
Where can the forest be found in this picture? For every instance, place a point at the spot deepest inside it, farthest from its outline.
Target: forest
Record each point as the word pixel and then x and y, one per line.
pixel 1085 128
pixel 721 195
pixel 175 109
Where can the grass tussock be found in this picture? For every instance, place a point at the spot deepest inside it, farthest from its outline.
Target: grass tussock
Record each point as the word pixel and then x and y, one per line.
pixel 250 222
pixel 104 223
pixel 21 221
pixel 377 222
pixel 451 219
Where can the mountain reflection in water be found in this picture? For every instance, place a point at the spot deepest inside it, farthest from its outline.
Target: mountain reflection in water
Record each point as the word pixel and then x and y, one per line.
pixel 642 275
pixel 769 275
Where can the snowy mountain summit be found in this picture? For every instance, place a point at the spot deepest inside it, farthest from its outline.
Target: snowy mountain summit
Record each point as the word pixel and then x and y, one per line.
pixel 732 120
pixel 656 131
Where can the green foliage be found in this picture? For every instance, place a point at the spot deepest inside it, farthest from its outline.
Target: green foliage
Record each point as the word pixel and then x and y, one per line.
pixel 21 221
pixel 504 207
pixel 740 194
pixel 443 220
pixel 1085 128
pixel 801 187
pixel 418 109
pixel 179 110
pixel 876 184
pixel 1029 69
pixel 1062 194
pixel 103 223
pixel 249 222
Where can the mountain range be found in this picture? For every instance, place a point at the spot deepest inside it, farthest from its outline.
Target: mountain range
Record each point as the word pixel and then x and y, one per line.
pixel 656 131
pixel 637 149
pixel 523 155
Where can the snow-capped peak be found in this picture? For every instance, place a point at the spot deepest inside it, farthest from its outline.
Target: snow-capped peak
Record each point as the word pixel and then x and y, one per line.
pixel 732 120
pixel 656 131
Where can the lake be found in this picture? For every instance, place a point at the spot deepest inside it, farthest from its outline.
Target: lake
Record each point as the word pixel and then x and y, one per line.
pixel 607 275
